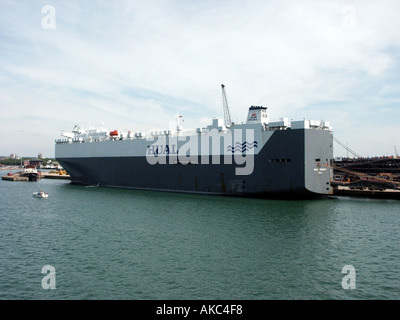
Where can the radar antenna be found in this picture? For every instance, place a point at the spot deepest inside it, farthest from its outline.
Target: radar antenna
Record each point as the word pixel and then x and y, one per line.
pixel 227 116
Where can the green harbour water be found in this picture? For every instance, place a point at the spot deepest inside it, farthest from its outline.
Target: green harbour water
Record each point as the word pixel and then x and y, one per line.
pixel 143 245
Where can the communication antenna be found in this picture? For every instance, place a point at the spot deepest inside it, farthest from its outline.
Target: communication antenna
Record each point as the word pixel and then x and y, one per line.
pixel 227 115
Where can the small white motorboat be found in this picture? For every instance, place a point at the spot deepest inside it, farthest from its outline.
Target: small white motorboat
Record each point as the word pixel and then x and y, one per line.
pixel 40 194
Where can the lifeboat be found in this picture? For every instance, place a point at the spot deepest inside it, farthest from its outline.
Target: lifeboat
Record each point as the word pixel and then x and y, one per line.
pixel 113 133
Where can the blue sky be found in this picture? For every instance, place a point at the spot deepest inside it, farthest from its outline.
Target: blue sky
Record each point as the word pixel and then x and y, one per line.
pixel 133 65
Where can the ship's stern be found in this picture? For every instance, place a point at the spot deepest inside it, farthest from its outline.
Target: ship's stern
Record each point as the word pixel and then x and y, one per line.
pixel 318 160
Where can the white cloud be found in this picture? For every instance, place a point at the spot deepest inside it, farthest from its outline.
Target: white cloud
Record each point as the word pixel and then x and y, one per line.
pixel 136 63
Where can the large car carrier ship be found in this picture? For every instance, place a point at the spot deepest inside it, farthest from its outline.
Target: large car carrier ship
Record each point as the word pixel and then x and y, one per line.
pixel 258 158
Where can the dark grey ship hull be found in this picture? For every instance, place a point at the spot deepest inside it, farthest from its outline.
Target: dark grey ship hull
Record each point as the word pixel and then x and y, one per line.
pixel 292 163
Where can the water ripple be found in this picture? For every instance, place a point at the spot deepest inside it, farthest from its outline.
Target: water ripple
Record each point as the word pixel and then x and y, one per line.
pixel 125 244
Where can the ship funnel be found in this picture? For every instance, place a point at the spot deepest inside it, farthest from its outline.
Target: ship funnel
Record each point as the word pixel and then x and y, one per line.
pixel 257 114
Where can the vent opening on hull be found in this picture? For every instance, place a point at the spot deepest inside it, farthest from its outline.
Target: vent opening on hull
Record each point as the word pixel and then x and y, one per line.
pixel 280 160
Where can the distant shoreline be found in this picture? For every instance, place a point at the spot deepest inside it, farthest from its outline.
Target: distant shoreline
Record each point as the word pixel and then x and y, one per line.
pixel 19 168
pixel 11 168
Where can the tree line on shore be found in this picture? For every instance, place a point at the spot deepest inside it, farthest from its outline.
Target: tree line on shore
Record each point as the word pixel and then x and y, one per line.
pixel 17 162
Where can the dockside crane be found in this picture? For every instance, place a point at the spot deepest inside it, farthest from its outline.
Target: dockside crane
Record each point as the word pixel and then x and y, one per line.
pixel 395 150
pixel 227 115
pixel 346 147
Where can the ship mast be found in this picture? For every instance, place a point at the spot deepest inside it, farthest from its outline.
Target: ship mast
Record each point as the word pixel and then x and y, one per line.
pixel 178 126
